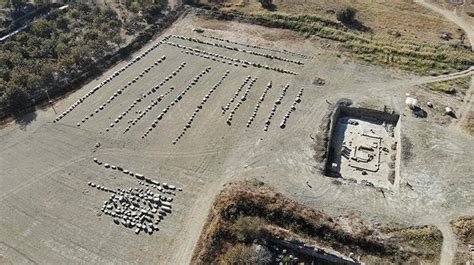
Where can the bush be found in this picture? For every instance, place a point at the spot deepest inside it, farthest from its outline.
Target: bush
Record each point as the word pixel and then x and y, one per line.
pixel 248 228
pixel 267 4
pixel 17 98
pixel 346 15
pixel 243 254
pixel 240 254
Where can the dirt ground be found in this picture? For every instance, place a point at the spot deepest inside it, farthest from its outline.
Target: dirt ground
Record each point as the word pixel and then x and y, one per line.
pixel 49 215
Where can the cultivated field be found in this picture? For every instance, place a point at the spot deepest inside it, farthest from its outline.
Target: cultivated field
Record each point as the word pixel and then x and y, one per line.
pixel 49 214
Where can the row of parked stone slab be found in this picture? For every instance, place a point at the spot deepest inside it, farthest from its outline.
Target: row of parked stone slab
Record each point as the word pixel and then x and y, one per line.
pixel 103 83
pixel 178 99
pixel 275 105
pixel 200 106
pixel 121 90
pixel 235 95
pixel 241 100
pixel 266 55
pixel 258 47
pixel 141 114
pixel 157 187
pixel 212 56
pixel 151 91
pixel 138 176
pixel 292 109
pixel 257 106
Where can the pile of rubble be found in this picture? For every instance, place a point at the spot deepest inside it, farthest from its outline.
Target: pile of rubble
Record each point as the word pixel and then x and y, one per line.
pixel 137 208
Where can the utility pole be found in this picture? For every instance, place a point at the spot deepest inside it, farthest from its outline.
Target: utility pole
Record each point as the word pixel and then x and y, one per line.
pixel 50 101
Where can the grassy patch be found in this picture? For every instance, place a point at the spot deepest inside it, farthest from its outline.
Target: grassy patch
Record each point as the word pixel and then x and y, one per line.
pixel 463 227
pixel 408 55
pixel 428 239
pixel 3 3
pixel 450 86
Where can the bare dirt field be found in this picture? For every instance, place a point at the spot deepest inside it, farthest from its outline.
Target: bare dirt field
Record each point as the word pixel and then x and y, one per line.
pixel 49 215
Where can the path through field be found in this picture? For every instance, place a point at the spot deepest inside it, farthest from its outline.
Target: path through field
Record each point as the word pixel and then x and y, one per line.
pixel 452 16
pixel 449 243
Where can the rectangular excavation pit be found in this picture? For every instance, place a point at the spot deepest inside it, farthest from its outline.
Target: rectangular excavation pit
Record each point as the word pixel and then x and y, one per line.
pixel 364 146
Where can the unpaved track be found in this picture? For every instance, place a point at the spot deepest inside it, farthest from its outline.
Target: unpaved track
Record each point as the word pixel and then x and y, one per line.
pixel 466 108
pixel 452 16
pixel 449 243
pixel 441 78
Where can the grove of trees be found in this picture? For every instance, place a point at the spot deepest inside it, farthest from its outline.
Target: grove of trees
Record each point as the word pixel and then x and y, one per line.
pixel 58 50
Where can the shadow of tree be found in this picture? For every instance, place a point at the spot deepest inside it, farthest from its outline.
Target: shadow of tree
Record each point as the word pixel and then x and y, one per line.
pixel 268 5
pixel 357 25
pixel 271 7
pixel 25 118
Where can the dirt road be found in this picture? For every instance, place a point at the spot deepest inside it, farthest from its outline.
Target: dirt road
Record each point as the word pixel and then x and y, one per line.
pixel 449 242
pixel 452 16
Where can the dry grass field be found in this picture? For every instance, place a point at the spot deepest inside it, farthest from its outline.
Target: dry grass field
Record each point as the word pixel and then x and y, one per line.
pixel 411 20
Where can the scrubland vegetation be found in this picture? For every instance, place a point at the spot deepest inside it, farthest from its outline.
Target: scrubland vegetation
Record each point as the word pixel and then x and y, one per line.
pixel 249 212
pixel 451 86
pixel 463 227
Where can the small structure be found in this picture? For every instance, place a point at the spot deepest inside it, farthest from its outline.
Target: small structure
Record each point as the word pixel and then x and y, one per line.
pixel 198 30
pixel 449 111
pixel 411 103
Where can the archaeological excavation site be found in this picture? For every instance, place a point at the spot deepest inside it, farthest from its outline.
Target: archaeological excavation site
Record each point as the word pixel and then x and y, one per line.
pixel 237 132
pixel 364 146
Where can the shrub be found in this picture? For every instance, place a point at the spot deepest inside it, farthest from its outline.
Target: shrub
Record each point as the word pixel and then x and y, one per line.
pixel 248 228
pixel 240 254
pixel 243 254
pixel 17 98
pixel 267 4
pixel 346 15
